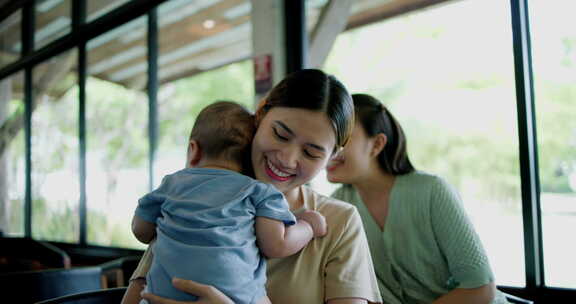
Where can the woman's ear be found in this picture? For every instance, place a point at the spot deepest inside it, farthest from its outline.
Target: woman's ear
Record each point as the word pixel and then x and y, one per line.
pixel 260 111
pixel 378 143
pixel 194 154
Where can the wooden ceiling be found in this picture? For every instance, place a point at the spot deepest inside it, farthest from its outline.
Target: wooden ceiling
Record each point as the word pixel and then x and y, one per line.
pixel 194 36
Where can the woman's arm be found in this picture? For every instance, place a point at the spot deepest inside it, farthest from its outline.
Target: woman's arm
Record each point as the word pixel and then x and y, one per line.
pixel 138 278
pixel 481 295
pixel 132 295
pixel 350 276
pixel 462 247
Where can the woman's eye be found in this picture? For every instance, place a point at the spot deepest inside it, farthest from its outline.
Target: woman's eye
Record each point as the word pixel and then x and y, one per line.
pixel 278 135
pixel 310 155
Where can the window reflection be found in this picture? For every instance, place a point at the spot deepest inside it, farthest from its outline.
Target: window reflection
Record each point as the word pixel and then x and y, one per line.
pixel 100 8
pixel 55 188
pixel 52 21
pixel 455 98
pixel 12 153
pixel 116 134
pixel 554 62
pixel 10 39
pixel 204 64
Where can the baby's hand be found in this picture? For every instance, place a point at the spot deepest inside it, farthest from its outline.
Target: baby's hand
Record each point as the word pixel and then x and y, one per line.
pixel 316 221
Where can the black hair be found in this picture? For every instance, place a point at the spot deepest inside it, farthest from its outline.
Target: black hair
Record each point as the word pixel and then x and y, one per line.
pixel 375 118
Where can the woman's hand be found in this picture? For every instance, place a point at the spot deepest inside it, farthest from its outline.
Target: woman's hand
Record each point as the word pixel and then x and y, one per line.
pixel 206 294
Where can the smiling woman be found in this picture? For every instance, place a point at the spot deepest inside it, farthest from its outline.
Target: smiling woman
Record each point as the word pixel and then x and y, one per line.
pixel 286 154
pixel 300 124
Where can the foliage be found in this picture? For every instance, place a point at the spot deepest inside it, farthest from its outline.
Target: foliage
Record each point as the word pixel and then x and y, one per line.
pixel 455 98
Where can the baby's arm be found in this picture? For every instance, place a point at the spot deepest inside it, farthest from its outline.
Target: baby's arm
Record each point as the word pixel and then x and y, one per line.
pixel 277 240
pixel 143 231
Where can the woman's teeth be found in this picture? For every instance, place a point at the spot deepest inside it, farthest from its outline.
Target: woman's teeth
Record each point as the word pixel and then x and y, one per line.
pixel 276 170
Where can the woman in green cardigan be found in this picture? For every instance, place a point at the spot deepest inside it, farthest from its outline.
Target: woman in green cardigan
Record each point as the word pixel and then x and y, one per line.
pixel 423 246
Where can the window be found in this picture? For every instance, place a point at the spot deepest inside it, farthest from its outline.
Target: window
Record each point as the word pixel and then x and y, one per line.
pixel 12 153
pixel 10 39
pixel 100 8
pixel 52 21
pixel 116 133
pixel 447 75
pixel 55 188
pixel 198 69
pixel 554 63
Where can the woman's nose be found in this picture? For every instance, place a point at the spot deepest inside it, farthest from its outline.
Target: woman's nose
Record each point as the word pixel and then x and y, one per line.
pixel 288 158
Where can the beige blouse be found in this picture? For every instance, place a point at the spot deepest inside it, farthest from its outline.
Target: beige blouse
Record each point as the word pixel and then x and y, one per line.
pixel 337 265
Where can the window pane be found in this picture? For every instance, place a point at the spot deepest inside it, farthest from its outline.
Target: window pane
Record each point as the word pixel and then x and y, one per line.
pixel 99 8
pixel 554 63
pixel 189 74
pixel 55 189
pixel 52 21
pixel 116 134
pixel 12 153
pixel 10 39
pixel 455 98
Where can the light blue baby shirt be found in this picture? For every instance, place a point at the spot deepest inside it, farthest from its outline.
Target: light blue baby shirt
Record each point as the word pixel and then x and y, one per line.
pixel 205 231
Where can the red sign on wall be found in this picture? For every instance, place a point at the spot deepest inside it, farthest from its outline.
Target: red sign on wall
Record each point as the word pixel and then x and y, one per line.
pixel 262 74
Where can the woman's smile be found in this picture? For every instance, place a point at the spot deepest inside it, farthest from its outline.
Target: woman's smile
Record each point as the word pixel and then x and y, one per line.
pixel 275 173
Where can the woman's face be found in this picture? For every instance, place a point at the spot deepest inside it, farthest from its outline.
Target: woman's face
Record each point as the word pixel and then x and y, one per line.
pixel 354 160
pixel 291 146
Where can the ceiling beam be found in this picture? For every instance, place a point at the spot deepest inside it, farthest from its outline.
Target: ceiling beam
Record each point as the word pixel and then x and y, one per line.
pixel 331 22
pixel 389 10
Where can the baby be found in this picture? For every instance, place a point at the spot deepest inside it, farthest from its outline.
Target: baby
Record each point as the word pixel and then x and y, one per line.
pixel 209 218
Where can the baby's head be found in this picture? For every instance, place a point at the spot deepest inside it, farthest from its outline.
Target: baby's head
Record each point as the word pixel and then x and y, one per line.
pixel 221 137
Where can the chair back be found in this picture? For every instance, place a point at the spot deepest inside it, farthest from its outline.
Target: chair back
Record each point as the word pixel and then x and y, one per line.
pixel 103 296
pixel 23 254
pixel 116 273
pixel 34 286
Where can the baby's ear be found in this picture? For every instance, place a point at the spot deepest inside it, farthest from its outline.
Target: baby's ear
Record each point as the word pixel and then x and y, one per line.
pixel 194 154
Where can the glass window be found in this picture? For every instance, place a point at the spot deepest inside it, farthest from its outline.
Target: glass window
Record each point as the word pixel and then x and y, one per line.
pixel 197 66
pixel 116 133
pixel 12 170
pixel 99 8
pixel 455 98
pixel 55 188
pixel 10 39
pixel 554 63
pixel 52 21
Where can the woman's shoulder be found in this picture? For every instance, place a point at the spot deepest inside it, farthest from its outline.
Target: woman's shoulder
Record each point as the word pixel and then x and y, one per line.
pixel 422 177
pixel 425 182
pixel 328 206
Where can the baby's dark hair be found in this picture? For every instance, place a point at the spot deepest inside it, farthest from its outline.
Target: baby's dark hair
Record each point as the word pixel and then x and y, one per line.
pixel 224 130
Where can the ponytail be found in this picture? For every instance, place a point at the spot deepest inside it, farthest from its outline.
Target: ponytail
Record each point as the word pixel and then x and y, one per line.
pixel 375 119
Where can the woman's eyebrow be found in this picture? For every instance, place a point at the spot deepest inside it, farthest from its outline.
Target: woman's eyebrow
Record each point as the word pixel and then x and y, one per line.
pixel 289 131
pixel 284 126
